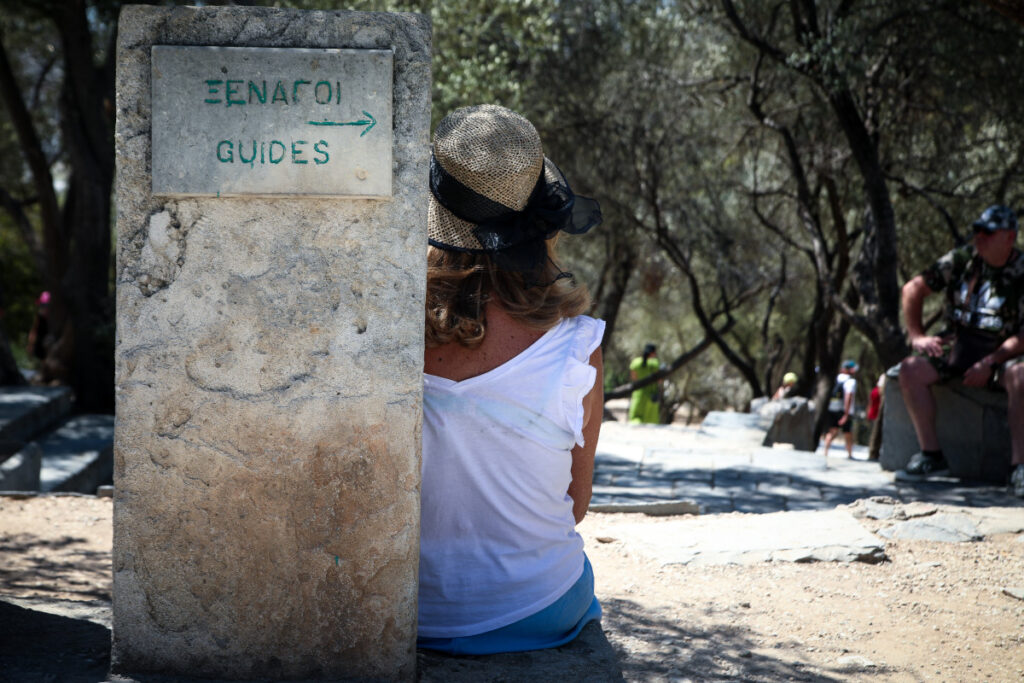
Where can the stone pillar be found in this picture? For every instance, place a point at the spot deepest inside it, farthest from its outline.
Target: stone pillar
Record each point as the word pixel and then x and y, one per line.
pixel 271 218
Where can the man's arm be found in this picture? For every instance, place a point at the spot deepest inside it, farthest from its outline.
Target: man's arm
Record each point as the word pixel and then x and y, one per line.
pixel 847 405
pixel 912 298
pixel 979 373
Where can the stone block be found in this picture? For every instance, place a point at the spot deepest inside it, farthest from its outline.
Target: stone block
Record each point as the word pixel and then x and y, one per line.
pixel 269 387
pixel 28 411
pixel 947 527
pixel 78 455
pixel 792 421
pixel 972 427
pixel 590 657
pixel 20 471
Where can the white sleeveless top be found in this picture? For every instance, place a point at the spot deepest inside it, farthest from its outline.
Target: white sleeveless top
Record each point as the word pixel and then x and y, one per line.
pixel 498 539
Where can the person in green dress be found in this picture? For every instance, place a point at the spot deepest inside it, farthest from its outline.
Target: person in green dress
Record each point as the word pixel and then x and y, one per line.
pixel 643 403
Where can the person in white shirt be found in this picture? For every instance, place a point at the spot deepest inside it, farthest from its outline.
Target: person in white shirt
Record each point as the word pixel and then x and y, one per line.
pixel 840 407
pixel 513 395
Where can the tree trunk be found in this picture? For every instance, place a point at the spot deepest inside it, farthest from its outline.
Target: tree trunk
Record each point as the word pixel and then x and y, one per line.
pixel 9 372
pixel 76 236
pixel 884 316
pixel 612 289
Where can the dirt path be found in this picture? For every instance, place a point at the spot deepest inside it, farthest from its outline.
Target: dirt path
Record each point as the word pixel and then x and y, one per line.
pixel 935 611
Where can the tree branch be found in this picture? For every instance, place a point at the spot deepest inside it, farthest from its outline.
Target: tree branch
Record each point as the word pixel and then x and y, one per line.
pixel 624 390
pixel 16 210
pixel 32 150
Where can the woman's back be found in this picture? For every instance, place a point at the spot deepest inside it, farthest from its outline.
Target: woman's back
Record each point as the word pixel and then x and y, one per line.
pixel 498 541
pixel 512 392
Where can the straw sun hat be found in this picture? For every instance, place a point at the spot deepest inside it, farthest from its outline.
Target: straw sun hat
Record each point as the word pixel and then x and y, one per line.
pixel 493 190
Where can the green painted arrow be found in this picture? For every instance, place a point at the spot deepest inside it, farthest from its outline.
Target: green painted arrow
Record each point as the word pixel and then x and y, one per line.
pixel 369 122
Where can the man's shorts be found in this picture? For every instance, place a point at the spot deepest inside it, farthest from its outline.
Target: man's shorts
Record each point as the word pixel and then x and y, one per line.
pixel 947 371
pixel 833 422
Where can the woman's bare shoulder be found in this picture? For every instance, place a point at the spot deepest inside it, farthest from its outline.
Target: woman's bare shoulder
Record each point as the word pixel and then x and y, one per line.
pixel 505 339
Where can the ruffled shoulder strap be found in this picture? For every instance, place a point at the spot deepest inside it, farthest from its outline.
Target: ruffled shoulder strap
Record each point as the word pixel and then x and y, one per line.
pixel 579 376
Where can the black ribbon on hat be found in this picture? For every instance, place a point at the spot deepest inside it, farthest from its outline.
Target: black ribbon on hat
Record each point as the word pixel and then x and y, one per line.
pixel 516 238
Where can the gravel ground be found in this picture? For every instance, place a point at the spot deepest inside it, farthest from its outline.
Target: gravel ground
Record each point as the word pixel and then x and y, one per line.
pixel 933 611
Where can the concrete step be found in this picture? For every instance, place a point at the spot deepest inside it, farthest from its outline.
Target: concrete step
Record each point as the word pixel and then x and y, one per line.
pixel 79 455
pixel 20 470
pixel 26 412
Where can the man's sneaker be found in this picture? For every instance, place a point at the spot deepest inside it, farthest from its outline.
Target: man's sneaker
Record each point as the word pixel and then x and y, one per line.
pixel 922 465
pixel 1017 481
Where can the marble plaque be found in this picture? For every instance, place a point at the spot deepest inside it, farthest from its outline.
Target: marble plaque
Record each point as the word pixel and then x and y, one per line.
pixel 230 121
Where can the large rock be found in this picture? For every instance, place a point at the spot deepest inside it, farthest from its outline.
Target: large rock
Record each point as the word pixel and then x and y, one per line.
pixel 792 421
pixel 971 423
pixel 269 369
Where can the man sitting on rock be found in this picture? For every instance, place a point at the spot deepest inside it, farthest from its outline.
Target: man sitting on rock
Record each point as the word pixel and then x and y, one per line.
pixel 983 343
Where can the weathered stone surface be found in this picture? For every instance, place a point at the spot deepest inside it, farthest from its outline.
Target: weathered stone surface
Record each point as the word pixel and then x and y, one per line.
pixel 947 527
pixel 590 657
pixel 792 421
pixel 28 411
pixel 972 428
pixel 805 536
pixel 675 507
pixel 20 471
pixel 269 374
pixel 917 509
pixel 993 521
pixel 78 455
pixel 879 507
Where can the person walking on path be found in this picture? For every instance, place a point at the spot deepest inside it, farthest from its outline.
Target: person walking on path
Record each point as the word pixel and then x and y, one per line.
pixel 875 415
pixel 513 396
pixel 788 386
pixel 643 402
pixel 983 344
pixel 840 407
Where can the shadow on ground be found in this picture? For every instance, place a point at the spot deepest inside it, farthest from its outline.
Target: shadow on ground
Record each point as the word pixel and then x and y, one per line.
pixel 654 648
pixel 38 646
pixel 26 570
pixel 742 488
pixel 590 657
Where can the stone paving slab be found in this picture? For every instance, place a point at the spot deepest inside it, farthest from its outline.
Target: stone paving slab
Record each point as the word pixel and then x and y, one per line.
pixel 26 411
pixel 815 536
pixel 590 657
pixel 945 527
pixel 78 456
pixel 723 467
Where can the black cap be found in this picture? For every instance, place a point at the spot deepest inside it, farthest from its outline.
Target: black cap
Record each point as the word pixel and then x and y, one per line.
pixel 996 217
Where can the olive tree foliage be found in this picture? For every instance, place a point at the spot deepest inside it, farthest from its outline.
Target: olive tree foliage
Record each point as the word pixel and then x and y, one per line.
pixel 479 47
pixel 56 85
pixel 769 172
pixel 881 121
pixel 628 100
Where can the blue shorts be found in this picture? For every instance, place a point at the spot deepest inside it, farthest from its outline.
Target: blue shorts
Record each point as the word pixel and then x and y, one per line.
pixel 555 625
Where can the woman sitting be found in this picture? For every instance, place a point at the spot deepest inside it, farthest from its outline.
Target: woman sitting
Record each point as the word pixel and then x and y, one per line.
pixel 513 396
